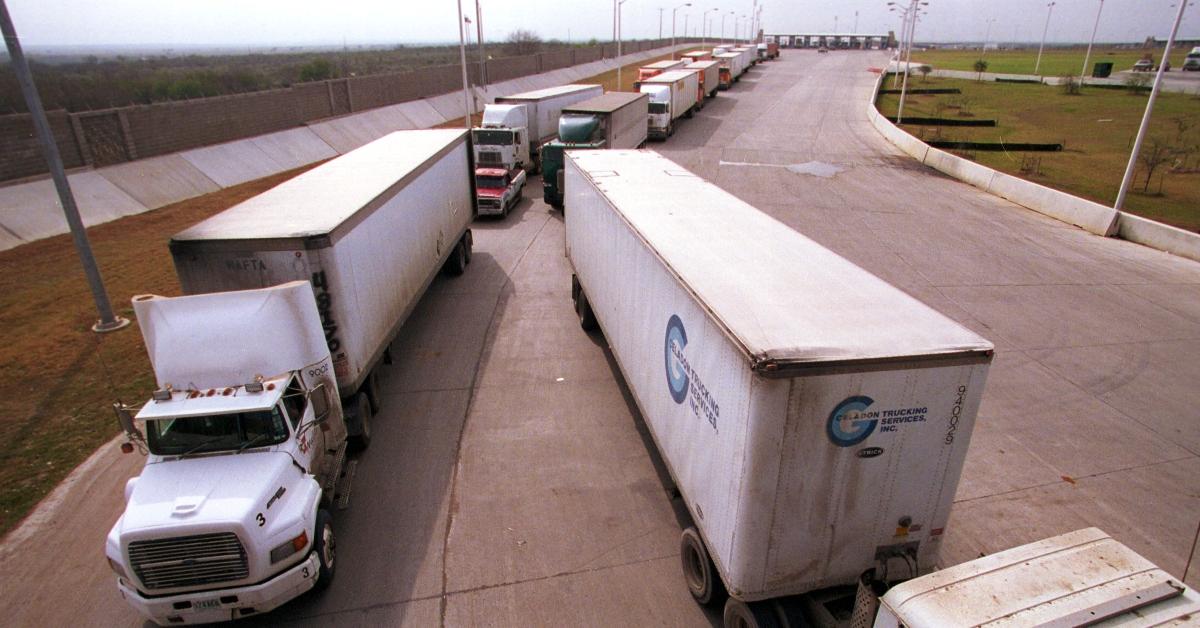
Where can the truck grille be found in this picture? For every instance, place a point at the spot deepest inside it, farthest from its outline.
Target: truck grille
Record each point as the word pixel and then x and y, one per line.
pixel 489 157
pixel 188 561
pixel 489 202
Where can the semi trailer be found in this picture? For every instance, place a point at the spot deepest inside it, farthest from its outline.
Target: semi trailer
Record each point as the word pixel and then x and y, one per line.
pixel 730 68
pixel 658 67
pixel 614 120
pixel 515 127
pixel 266 371
pixel 814 418
pixel 710 77
pixel 672 96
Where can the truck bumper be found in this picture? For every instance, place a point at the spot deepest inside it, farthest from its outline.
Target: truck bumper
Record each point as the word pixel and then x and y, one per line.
pixel 658 134
pixel 224 604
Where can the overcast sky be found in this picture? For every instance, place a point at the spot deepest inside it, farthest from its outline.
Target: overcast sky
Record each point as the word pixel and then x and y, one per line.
pixel 308 22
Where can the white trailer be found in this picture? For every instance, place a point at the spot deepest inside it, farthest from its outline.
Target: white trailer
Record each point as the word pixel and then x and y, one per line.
pixel 730 69
pixel 814 418
pixel 749 56
pixel 1079 578
pixel 710 76
pixel 672 96
pixel 369 229
pixel 515 127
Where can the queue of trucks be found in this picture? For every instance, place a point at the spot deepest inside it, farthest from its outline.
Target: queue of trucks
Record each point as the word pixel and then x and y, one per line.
pixel 764 383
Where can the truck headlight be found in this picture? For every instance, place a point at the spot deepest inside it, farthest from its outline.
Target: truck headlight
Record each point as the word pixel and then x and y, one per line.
pixel 117 569
pixel 290 547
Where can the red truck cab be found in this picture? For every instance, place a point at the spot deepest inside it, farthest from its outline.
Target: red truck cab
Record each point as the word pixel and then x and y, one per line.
pixel 497 190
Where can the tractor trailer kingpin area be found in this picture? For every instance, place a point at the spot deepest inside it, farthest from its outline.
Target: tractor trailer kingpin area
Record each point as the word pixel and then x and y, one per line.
pixel 267 370
pixel 814 418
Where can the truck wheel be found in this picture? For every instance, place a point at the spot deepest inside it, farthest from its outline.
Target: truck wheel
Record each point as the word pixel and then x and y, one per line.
pixel 325 549
pixel 469 241
pixel 690 112
pixel 699 571
pixel 587 318
pixel 670 129
pixel 362 412
pixel 372 389
pixel 457 264
pixel 739 614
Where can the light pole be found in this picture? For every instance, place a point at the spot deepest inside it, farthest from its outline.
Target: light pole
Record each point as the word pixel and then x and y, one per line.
pixel 1141 135
pixel 743 19
pixel 660 12
pixel 685 25
pixel 108 320
pixel 1088 54
pixel 704 41
pixel 1049 11
pixel 987 35
pixel 462 56
pixel 673 11
pixel 733 13
pixel 619 64
pixel 911 17
pixel 483 80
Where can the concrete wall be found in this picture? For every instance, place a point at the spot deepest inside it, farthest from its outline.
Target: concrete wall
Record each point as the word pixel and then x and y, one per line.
pixel 113 136
pixel 29 211
pixel 1089 215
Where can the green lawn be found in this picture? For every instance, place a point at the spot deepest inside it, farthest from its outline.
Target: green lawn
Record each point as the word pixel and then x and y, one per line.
pixel 1096 129
pixel 1055 62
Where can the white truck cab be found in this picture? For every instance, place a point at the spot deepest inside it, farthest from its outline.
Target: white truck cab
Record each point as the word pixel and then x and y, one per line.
pixel 245 440
pixel 503 139
pixel 659 124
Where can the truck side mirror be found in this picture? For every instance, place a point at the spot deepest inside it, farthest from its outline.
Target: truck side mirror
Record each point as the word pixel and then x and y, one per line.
pixel 319 398
pixel 129 427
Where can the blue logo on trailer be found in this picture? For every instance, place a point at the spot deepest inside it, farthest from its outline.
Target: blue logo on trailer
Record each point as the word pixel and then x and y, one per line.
pixel 847 427
pixel 677 377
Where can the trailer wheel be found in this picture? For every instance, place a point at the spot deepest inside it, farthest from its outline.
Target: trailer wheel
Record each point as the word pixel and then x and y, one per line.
pixel 457 264
pixel 469 241
pixel 739 614
pixel 325 547
pixel 587 318
pixel 362 413
pixel 699 571
pixel 371 387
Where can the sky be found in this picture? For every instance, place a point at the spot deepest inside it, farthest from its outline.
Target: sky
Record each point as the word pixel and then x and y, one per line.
pixel 258 23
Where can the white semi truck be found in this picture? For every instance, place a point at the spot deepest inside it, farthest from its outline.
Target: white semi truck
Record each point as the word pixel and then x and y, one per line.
pixel 673 95
pixel 515 127
pixel 267 371
pixel 814 418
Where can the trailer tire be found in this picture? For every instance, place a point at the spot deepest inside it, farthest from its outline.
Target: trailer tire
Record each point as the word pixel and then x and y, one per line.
pixel 362 410
pixel 371 387
pixel 469 242
pixel 699 572
pixel 324 545
pixel 457 264
pixel 587 318
pixel 739 614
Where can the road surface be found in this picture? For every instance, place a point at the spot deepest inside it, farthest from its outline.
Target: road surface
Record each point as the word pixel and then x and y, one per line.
pixel 512 482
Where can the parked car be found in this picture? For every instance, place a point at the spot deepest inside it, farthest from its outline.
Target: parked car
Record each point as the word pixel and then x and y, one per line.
pixel 1143 65
pixel 822 49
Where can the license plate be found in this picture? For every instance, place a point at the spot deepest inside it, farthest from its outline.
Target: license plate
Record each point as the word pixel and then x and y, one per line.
pixel 204 605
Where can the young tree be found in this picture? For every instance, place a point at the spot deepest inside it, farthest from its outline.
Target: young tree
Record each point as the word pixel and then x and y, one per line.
pixel 523 42
pixel 981 66
pixel 1155 153
pixel 924 69
pixel 1138 82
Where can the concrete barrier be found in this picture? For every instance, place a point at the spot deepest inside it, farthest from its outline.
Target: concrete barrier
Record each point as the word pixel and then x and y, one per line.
pixel 1082 213
pixel 1159 236
pixel 232 163
pixel 959 168
pixel 159 181
pixel 30 211
pixel 294 148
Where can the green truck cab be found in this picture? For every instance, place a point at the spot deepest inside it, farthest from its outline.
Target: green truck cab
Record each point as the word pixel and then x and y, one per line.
pixel 613 120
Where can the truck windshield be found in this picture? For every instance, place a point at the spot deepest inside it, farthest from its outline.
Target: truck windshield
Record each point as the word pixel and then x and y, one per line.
pixel 482 181
pixel 658 107
pixel 217 432
pixel 491 137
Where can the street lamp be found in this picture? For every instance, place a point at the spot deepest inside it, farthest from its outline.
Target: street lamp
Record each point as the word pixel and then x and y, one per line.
pixel 1091 41
pixel 742 19
pixel 462 56
pixel 1049 11
pixel 723 25
pixel 986 36
pixel 673 11
pixel 1141 135
pixel 619 63
pixel 704 27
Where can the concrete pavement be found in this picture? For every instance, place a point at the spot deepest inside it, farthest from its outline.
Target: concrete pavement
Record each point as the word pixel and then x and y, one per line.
pixel 511 481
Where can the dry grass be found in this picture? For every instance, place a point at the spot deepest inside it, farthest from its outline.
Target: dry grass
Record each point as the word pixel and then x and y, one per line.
pixel 57 377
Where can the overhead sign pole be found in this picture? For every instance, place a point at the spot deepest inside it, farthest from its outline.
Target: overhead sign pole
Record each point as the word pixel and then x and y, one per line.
pixel 108 320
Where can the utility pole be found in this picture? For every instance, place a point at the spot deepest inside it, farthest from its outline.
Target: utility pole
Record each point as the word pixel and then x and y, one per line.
pixel 660 12
pixel 483 77
pixel 462 57
pixel 1141 135
pixel 108 320
pixel 1049 11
